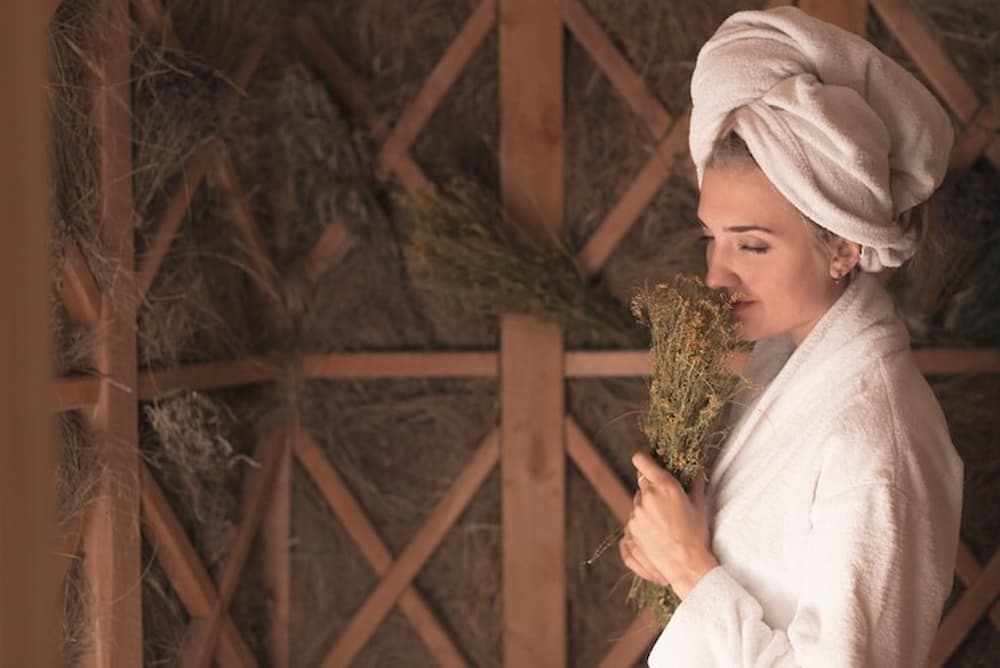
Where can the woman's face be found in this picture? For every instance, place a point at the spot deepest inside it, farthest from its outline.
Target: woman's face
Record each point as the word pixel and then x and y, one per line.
pixel 761 251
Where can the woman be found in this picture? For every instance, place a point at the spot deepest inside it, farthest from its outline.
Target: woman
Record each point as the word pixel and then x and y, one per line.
pixel 827 533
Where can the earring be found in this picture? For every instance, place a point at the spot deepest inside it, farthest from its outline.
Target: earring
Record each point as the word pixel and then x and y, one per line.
pixel 837 278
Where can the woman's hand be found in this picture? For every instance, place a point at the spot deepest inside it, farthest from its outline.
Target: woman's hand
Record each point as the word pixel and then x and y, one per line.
pixel 666 539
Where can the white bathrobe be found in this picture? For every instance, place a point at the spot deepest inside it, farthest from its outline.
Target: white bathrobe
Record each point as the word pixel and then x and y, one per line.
pixel 834 506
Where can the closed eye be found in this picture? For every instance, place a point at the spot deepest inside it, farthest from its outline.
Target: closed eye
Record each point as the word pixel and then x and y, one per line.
pixel 759 250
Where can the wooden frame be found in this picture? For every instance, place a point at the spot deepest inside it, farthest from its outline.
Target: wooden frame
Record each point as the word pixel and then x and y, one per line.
pixel 530 173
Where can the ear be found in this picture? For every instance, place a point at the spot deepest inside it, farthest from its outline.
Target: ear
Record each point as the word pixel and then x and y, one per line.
pixel 845 255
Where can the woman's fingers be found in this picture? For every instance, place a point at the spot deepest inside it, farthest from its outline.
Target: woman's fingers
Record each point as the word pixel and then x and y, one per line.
pixel 636 560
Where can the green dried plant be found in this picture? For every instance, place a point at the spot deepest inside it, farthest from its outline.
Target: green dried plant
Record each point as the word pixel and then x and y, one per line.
pixel 464 250
pixel 690 384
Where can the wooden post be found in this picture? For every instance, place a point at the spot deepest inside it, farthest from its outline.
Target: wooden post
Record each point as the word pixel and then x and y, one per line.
pixel 276 538
pixel 28 572
pixel 112 540
pixel 533 459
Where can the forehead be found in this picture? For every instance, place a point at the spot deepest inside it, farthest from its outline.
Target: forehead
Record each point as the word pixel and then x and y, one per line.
pixel 741 196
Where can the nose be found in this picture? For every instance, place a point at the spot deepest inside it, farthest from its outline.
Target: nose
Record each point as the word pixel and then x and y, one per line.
pixel 719 275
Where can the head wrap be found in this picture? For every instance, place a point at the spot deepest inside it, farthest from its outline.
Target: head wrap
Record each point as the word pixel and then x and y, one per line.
pixel 846 134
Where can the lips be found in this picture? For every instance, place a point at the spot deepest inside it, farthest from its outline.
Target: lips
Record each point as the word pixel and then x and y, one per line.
pixel 741 305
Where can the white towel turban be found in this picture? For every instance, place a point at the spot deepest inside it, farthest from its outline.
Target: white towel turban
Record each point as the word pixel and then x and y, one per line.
pixel 843 132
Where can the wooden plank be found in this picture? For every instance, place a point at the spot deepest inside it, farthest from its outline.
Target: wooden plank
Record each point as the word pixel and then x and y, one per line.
pixel 208 376
pixel 79 289
pixel 364 535
pixel 618 70
pixel 327 249
pixel 193 173
pixel 113 564
pixel 634 644
pixel 277 537
pixel 352 91
pixel 263 273
pixel 979 134
pixel 533 479
pixel 968 571
pixel 401 573
pixel 597 471
pixel 973 604
pixel 957 361
pixel 29 609
pixel 400 365
pixel 74 392
pixel 605 364
pixel 848 14
pixel 258 483
pixel 440 80
pixel 635 200
pixel 184 569
pixel 900 18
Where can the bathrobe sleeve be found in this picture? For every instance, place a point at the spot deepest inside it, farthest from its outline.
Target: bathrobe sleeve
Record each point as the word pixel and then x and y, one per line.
pixel 863 594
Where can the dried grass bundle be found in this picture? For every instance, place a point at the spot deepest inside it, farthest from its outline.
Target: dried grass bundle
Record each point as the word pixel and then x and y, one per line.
pixel 690 385
pixel 464 250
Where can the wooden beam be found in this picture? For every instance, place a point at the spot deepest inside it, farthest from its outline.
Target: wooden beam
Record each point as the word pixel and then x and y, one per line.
pixel 605 364
pixel 440 80
pixel 29 613
pixel 848 14
pixel 277 535
pixel 973 604
pixel 400 365
pixel 401 573
pixel 900 18
pixel 635 200
pixel 968 571
pixel 327 249
pixel 533 479
pixel 364 535
pixel 209 376
pixel 352 91
pixel 597 472
pixel 170 220
pixel 112 542
pixel 258 483
pixel 979 136
pixel 75 392
pixel 618 70
pixel 184 569
pixel 79 289
pixel 957 361
pixel 634 644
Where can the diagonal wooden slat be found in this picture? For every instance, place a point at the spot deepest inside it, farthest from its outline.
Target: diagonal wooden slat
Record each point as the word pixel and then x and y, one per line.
pixel 364 535
pixel 79 289
pixel 616 67
pixel 399 576
pixel 979 137
pixel 973 604
pixel 196 167
pixel 200 642
pixel 900 18
pixel 170 220
pixel 327 249
pixel 75 392
pixel 968 571
pixel 184 569
pixel 634 644
pixel 635 200
pixel 440 80
pixel 352 91
pixel 848 14
pixel 597 471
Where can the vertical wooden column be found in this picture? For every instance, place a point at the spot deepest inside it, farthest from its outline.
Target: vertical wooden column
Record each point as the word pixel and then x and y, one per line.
pixel 112 541
pixel 28 580
pixel 533 461
pixel 276 537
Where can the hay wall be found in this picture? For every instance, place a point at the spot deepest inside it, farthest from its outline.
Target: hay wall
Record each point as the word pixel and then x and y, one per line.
pixel 302 159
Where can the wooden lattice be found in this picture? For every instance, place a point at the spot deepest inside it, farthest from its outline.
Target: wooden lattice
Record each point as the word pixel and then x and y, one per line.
pixel 109 533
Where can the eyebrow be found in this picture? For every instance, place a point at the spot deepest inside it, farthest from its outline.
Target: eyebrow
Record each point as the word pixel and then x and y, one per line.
pixel 743 228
